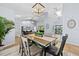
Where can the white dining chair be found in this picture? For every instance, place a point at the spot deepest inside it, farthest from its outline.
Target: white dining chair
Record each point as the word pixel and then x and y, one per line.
pixel 29 50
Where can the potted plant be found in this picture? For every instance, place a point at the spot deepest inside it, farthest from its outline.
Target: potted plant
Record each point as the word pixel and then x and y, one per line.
pixel 2 30
pixel 8 25
pixel 40 31
pixel 5 26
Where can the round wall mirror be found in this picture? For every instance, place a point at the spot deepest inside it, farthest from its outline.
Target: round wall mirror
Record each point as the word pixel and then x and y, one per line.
pixel 71 23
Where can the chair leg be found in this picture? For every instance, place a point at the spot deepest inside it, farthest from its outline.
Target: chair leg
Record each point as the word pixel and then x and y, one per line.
pixel 22 52
pixel 41 54
pixel 20 49
pixel 61 53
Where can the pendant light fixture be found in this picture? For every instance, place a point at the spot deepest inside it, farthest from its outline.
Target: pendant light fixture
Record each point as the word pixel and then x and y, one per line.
pixel 38 8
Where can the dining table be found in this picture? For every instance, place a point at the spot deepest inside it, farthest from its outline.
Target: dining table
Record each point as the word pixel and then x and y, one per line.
pixel 44 41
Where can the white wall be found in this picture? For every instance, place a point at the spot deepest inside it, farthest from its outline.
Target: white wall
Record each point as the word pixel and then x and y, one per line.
pixel 9 14
pixel 51 23
pixel 17 27
pixel 48 17
pixel 25 10
pixel 71 11
pixel 10 37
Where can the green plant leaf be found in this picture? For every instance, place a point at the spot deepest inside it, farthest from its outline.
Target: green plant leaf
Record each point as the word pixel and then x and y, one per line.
pixel 5 26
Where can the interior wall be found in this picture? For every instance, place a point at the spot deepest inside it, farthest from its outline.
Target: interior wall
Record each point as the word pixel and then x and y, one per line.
pixel 10 15
pixel 21 9
pixel 71 11
pixel 50 18
pixel 25 10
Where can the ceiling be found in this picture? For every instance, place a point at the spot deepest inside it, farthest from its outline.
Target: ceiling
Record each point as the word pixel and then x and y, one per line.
pixel 26 8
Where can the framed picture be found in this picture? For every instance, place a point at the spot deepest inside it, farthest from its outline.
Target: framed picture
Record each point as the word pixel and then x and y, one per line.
pixel 58 29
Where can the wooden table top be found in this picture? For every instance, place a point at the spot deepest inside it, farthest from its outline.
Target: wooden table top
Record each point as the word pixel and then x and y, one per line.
pixel 45 41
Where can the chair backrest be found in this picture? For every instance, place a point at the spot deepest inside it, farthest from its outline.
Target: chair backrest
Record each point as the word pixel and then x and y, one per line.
pixel 25 45
pixel 64 38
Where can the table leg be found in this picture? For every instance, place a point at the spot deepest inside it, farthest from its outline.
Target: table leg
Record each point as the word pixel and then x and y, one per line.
pixel 44 51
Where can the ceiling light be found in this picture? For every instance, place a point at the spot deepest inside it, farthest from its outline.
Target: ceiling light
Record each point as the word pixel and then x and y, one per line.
pixel 38 8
